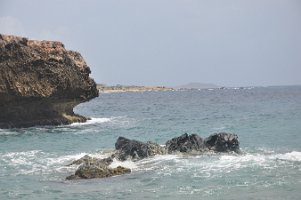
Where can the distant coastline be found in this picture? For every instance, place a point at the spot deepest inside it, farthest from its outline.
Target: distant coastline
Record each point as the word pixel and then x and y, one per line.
pixel 102 88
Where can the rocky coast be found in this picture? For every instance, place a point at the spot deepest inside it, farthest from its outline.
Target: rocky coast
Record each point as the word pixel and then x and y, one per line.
pixel 41 82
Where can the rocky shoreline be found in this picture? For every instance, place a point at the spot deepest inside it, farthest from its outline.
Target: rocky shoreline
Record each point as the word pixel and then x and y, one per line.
pixel 126 149
pixel 41 82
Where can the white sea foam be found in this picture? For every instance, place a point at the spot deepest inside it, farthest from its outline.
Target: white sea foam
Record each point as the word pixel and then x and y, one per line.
pixel 210 165
pixel 122 121
pixel 292 156
pixel 63 159
pixel 207 165
pixel 127 164
pixel 36 161
pixel 93 121
pixel 20 158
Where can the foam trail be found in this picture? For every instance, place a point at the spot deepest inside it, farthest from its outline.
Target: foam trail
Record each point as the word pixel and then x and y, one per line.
pixel 92 121
pixel 127 164
pixel 292 156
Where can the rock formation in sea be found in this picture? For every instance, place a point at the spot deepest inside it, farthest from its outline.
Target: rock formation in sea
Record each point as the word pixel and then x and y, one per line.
pixel 136 150
pixel 185 144
pixel 41 82
pixel 126 149
pixel 96 168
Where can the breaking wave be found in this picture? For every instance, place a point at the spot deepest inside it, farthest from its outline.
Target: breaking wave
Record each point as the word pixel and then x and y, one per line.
pixel 39 162
pixel 92 121
pixel 115 121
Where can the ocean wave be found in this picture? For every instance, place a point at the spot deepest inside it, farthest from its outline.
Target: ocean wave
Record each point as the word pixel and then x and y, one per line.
pixel 213 164
pixel 206 165
pixel 93 121
pixel 292 156
pixel 128 164
pixel 118 121
pixel 36 162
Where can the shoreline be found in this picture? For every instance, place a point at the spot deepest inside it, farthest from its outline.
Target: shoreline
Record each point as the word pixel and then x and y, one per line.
pixel 132 88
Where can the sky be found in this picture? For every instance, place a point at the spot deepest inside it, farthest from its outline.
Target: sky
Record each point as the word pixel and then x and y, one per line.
pixel 170 42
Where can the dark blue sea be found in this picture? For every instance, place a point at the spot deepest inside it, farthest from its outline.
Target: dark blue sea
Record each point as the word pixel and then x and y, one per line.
pixel 267 121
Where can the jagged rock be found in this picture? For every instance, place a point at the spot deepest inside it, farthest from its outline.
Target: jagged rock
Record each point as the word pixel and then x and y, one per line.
pixel 136 150
pixel 96 168
pixel 94 171
pixel 41 82
pixel 185 143
pixel 223 142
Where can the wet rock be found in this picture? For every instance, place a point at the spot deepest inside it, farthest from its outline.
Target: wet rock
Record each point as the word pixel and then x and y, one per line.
pixel 41 82
pixel 223 142
pixel 88 160
pixel 136 150
pixel 95 171
pixel 185 143
pixel 96 168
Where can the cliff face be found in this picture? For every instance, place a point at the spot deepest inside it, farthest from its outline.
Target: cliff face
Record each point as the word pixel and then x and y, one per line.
pixel 41 82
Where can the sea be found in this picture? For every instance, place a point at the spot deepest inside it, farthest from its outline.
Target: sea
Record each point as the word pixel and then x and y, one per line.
pixel 267 120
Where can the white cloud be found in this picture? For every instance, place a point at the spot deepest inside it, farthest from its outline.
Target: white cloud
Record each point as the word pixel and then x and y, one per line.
pixel 11 25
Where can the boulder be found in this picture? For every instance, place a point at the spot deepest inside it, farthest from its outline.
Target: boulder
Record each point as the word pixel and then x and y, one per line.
pixel 90 167
pixel 185 143
pixel 136 150
pixel 222 142
pixel 94 171
pixel 41 82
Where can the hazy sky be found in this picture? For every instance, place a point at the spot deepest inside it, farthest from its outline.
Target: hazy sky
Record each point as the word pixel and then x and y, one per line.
pixel 170 42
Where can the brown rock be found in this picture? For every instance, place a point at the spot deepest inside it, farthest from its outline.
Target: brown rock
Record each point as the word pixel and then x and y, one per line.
pixel 96 168
pixel 41 82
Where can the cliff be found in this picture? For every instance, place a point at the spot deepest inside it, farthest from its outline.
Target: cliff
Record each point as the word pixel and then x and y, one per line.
pixel 41 82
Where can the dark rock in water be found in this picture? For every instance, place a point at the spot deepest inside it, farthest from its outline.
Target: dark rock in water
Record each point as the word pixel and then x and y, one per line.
pixel 96 168
pixel 222 142
pixel 136 150
pixel 94 171
pixel 132 149
pixel 185 143
pixel 41 82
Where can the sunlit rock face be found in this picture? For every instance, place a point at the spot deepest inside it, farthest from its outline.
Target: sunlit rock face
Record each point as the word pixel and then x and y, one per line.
pixel 41 82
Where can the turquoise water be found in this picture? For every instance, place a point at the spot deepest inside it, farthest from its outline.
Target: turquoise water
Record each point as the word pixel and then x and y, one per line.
pixel 266 119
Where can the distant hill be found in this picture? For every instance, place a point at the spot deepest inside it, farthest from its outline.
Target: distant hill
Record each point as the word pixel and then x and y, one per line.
pixel 196 85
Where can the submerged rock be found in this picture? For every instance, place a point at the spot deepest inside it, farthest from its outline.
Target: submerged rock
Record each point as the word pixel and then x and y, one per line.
pixel 96 168
pixel 223 142
pixel 41 82
pixel 136 150
pixel 185 143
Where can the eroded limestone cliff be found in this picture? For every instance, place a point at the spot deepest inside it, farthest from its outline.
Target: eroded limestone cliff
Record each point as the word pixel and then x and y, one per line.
pixel 41 82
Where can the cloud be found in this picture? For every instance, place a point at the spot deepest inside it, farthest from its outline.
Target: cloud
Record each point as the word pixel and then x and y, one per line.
pixel 11 25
